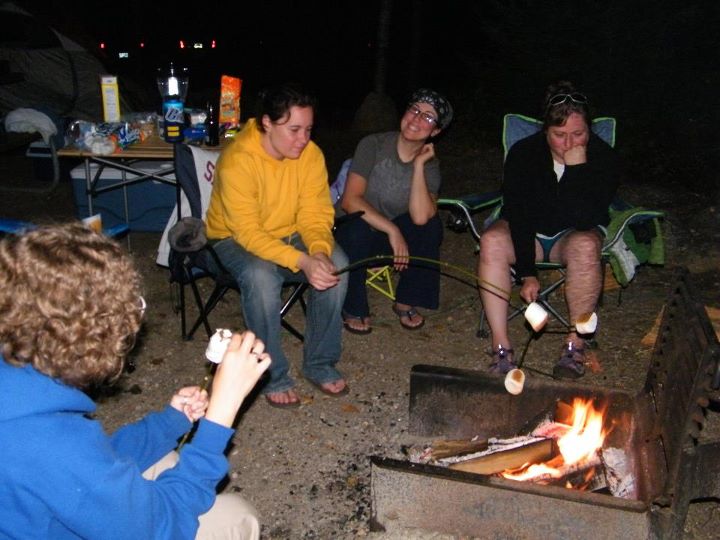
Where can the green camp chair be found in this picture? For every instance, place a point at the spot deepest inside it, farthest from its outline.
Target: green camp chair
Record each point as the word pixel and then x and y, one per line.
pixel 633 236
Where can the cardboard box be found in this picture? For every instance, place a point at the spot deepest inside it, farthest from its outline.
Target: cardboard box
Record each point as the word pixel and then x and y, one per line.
pixel 150 202
pixel 110 98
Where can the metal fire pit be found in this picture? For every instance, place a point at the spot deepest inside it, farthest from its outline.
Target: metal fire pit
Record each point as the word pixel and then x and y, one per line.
pixel 659 428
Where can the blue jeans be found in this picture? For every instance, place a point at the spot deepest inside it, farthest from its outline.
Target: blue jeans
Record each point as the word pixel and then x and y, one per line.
pixel 419 283
pixel 260 283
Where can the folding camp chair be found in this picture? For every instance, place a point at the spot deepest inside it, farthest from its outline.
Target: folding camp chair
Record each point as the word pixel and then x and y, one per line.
pixel 39 123
pixel 625 219
pixel 194 171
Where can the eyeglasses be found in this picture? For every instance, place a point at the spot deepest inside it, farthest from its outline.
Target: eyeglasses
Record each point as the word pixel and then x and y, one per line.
pixel 426 117
pixel 559 99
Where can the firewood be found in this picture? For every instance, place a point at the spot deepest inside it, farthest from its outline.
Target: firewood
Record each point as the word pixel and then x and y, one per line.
pixel 564 413
pixel 568 471
pixel 456 447
pixel 536 452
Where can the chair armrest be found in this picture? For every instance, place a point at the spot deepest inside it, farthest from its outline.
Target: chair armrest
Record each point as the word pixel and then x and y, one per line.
pixel 463 208
pixel 474 202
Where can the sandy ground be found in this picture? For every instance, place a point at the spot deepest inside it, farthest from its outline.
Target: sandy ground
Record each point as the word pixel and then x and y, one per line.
pixel 307 470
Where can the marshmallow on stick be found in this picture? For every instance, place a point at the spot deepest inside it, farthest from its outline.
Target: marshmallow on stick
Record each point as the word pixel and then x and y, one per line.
pixel 586 323
pixel 218 344
pixel 514 381
pixel 536 315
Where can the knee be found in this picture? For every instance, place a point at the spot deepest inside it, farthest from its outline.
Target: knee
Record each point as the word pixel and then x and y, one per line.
pixel 353 235
pixel 260 277
pixel 495 246
pixel 425 238
pixel 434 229
pixel 341 261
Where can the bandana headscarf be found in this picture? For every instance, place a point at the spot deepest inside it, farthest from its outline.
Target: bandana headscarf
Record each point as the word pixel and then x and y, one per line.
pixel 439 103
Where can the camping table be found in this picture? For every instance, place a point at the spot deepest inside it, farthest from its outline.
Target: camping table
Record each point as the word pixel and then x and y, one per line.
pixel 153 148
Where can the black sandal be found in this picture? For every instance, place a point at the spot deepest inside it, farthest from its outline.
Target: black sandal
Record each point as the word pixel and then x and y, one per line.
pixel 360 332
pixel 409 313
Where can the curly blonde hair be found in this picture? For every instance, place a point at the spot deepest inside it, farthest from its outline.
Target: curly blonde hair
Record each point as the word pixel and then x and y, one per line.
pixel 69 303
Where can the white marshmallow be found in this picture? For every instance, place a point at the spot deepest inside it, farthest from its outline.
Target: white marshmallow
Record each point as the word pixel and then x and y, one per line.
pixel 218 345
pixel 586 324
pixel 536 316
pixel 514 381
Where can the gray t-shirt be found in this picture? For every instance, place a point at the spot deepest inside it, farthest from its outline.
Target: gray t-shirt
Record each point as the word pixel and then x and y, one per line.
pixel 389 179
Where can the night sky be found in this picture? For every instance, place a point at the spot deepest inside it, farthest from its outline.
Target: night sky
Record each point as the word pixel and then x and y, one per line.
pixel 653 64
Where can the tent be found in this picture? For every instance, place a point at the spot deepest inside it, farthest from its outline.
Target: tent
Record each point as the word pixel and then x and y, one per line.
pixel 45 70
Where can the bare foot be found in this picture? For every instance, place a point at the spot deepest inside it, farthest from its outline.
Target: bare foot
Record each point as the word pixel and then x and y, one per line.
pixel 409 317
pixel 334 387
pixel 288 398
pixel 356 325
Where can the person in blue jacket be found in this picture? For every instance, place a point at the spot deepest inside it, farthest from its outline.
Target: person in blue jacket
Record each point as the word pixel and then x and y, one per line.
pixel 70 308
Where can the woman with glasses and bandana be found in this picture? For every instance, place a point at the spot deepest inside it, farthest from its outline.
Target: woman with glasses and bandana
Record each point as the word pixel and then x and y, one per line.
pixel 70 308
pixel 394 179
pixel 557 186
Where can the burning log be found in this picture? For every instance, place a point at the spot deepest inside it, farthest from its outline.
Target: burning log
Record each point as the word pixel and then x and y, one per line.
pixel 457 447
pixel 513 458
pixel 551 472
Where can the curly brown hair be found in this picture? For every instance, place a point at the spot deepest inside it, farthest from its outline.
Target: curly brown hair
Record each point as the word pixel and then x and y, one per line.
pixel 69 303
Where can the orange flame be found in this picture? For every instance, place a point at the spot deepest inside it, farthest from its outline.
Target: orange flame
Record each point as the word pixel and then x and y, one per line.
pixel 584 437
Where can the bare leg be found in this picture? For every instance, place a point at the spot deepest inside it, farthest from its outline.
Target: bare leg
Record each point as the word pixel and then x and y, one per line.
pixel 496 256
pixel 580 251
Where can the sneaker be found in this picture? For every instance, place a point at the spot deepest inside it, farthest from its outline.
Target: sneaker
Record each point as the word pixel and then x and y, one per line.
pixel 571 364
pixel 502 360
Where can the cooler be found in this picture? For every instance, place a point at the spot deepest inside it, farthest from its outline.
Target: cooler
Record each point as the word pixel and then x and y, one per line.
pixel 150 202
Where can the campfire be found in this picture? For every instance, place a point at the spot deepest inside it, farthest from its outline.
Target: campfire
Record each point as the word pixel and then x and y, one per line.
pixel 579 442
pixel 565 449
pixel 647 447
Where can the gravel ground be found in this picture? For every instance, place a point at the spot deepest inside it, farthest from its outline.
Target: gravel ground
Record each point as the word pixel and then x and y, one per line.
pixel 307 470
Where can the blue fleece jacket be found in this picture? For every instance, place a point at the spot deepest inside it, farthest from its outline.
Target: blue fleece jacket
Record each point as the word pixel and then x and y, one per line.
pixel 61 476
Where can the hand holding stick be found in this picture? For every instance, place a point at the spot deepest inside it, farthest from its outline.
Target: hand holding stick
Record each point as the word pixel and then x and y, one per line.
pixel 243 364
pixel 248 362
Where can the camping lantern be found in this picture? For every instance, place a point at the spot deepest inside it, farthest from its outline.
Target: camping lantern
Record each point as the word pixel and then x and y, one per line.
pixel 173 84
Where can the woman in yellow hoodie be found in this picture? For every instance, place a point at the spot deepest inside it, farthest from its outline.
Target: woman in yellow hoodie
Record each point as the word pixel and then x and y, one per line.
pixel 270 219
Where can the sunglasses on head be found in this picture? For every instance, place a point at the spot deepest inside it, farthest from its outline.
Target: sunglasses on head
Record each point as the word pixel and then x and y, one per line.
pixel 559 99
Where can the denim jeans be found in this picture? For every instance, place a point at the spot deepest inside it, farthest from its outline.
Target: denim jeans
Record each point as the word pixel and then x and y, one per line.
pixel 261 283
pixel 419 283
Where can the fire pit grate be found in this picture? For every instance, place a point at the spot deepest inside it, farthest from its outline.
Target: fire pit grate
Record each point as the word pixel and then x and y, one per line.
pixel 659 429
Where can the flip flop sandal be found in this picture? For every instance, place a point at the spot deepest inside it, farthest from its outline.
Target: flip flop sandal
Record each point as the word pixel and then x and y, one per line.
pixel 409 313
pixel 277 405
pixel 360 332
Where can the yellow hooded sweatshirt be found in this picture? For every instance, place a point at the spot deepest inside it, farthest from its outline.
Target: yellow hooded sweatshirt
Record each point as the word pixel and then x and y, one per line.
pixel 260 200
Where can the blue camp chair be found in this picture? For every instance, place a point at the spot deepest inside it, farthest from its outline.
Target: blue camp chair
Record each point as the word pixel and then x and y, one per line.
pixel 621 231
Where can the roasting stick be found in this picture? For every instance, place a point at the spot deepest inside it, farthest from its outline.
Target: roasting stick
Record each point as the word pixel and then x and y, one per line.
pixel 586 324
pixel 214 354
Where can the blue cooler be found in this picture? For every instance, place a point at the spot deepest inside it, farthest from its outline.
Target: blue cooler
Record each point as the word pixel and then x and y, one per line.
pixel 150 202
